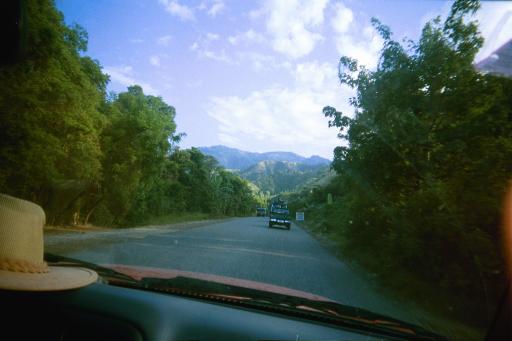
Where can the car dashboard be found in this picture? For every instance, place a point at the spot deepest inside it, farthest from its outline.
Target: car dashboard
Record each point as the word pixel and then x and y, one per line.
pixel 105 312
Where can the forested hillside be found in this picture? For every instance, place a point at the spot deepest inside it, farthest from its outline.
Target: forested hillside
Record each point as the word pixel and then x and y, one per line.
pixel 272 172
pixel 89 157
pixel 280 176
pixel 423 165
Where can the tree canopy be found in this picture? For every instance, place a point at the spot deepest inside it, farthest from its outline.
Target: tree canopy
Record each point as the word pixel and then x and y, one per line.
pixel 426 158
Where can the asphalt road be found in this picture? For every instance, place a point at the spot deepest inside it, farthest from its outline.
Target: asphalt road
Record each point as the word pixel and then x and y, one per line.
pixel 242 248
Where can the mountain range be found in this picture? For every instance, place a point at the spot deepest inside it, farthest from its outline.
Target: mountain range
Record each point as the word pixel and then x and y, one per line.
pixel 273 172
pixel 233 158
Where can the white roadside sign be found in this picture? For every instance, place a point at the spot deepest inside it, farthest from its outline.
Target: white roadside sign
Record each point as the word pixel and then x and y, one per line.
pixel 299 216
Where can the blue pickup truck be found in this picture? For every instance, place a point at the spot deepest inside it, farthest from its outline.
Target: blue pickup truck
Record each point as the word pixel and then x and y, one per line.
pixel 279 215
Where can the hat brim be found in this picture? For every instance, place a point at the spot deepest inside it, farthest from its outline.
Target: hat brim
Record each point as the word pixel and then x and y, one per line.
pixel 58 278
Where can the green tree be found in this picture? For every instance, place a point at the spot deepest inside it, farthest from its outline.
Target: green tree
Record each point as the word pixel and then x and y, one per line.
pixel 135 143
pixel 426 157
pixel 50 120
pixel 199 184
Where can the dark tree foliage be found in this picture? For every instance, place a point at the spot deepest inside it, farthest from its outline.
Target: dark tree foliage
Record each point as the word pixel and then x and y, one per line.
pixel 50 119
pixel 205 186
pixel 88 158
pixel 426 159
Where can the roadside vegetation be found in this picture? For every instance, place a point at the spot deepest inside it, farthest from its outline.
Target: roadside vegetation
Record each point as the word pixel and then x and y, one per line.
pixel 422 168
pixel 178 218
pixel 88 156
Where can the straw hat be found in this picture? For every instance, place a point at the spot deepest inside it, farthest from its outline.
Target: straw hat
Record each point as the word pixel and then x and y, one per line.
pixel 22 250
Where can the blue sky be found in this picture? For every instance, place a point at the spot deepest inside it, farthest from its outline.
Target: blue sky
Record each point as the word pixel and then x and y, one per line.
pixel 253 75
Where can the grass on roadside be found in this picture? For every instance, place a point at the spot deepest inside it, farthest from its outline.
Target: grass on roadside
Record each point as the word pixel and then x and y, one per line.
pixel 444 307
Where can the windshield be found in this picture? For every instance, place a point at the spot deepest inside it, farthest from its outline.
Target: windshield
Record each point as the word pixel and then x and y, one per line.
pixel 166 133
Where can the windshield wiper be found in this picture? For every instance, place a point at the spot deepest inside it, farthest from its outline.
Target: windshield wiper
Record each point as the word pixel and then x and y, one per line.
pixel 321 311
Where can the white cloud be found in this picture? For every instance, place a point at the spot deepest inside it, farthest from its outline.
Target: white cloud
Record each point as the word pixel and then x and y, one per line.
pixel 342 19
pixel 212 7
pixel 137 40
pixel 257 13
pixel 315 76
pixel 194 46
pixel 124 76
pixel 154 60
pixel 212 36
pixel 205 52
pixel 262 62
pixel 217 7
pixel 293 25
pixel 258 61
pixel 164 40
pixel 175 8
pixel 249 36
pixel 284 118
pixel 219 56
pixel 356 38
pixel 204 49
